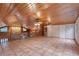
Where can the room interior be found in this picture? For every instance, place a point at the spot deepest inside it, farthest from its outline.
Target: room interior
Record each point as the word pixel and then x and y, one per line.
pixel 39 29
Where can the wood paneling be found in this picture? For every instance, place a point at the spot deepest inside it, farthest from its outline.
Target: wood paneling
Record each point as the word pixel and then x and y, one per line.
pixel 60 13
pixel 12 21
pixel 2 23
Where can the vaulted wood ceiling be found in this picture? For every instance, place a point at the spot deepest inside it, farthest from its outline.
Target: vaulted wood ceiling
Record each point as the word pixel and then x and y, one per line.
pixel 25 14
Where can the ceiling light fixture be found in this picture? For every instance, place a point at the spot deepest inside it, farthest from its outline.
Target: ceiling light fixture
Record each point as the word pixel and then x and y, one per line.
pixel 49 19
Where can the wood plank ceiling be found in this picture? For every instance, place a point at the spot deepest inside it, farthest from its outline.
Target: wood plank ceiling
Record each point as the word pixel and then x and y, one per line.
pixel 25 14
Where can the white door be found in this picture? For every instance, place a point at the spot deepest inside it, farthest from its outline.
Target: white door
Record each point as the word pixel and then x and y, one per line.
pixel 62 31
pixel 69 31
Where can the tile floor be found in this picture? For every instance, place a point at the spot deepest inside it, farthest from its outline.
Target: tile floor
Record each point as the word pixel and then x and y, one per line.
pixel 40 46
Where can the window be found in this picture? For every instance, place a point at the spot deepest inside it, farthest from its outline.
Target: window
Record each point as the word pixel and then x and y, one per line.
pixel 16 30
pixel 4 29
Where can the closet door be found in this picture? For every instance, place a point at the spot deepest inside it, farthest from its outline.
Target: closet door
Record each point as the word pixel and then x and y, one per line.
pixel 62 31
pixel 53 31
pixel 69 31
pixel 56 31
pixel 49 30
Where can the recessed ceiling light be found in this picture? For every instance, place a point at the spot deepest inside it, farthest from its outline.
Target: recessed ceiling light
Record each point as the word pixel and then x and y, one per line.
pixel 38 14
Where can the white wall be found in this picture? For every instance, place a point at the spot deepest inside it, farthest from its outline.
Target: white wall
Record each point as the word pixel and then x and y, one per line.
pixel 61 31
pixel 77 31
